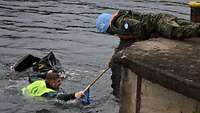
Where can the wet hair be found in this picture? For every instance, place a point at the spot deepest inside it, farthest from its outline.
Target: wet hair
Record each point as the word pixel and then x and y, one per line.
pixel 52 75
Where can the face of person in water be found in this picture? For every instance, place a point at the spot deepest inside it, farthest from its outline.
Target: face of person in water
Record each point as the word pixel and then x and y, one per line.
pixel 53 80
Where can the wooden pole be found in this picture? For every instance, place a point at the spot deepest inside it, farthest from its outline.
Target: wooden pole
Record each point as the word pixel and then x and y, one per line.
pixel 96 79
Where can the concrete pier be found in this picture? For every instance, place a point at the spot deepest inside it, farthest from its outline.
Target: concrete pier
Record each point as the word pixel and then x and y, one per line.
pixel 160 76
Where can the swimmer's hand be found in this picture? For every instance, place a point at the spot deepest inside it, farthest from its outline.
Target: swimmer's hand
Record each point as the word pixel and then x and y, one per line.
pixel 79 94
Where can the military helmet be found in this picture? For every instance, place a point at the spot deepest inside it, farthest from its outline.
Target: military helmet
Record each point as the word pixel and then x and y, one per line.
pixel 103 21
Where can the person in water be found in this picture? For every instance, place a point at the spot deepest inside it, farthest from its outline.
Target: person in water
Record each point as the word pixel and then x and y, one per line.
pixel 49 87
pixel 132 26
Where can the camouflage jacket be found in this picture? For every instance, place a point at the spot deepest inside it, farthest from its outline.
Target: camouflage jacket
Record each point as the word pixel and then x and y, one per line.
pixel 140 26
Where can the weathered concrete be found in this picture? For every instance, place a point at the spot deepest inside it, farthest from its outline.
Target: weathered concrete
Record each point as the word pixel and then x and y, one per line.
pixel 128 90
pixel 172 64
pixel 154 98
pixel 157 99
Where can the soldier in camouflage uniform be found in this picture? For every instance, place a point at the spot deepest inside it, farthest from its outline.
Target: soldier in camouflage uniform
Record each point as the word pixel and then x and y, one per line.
pixel 133 26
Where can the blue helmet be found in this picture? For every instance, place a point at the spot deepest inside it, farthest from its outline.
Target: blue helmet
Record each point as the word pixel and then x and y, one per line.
pixel 103 21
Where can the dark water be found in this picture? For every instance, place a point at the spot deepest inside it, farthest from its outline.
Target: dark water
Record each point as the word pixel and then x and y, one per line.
pixel 66 27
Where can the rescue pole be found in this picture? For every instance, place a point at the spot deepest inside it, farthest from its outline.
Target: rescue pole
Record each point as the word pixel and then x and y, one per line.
pixel 99 76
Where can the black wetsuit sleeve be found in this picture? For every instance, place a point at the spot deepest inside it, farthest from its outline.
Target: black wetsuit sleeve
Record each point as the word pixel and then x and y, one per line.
pixel 50 94
pixel 60 96
pixel 66 97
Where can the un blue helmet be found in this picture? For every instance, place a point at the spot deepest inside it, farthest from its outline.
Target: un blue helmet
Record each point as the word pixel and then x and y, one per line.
pixel 103 22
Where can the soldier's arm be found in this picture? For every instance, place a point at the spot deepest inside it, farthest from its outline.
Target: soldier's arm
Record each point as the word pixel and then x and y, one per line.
pixel 172 27
pixel 60 96
pixel 182 22
pixel 165 24
pixel 150 23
